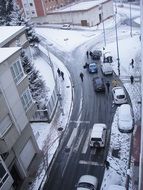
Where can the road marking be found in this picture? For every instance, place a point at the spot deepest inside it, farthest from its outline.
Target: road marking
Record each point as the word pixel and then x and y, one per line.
pixel 79 141
pixel 86 144
pixel 73 135
pixel 90 163
pixel 72 121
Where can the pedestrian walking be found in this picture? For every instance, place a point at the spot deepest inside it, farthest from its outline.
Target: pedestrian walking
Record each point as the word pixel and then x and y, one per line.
pixel 132 63
pixel 132 79
pixel 59 72
pixel 62 74
pixel 107 164
pixel 86 65
pixel 87 54
pixel 81 76
pixel 108 85
pixel 90 53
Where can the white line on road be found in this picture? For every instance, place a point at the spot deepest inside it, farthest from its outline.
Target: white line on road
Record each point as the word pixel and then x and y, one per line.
pixel 79 141
pixel 90 163
pixel 86 144
pixel 73 135
pixel 72 121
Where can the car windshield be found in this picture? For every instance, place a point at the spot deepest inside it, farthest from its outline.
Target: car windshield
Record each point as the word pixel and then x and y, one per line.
pixel 92 66
pixel 121 96
pixel 86 185
pixel 99 81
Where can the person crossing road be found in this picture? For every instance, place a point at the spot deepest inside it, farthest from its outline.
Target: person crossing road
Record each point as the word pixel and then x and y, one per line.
pixel 81 76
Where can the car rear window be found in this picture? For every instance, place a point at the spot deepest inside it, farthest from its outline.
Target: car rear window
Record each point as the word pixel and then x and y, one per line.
pixel 121 96
pixel 86 185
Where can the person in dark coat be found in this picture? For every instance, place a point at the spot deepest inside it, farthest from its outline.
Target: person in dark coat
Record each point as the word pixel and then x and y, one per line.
pixel 81 76
pixel 107 164
pixel 132 63
pixel 108 85
pixel 132 79
pixel 62 74
pixel 87 54
pixel 59 72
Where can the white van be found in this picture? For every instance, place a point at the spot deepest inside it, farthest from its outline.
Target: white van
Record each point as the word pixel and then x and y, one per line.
pixel 98 135
pixel 107 69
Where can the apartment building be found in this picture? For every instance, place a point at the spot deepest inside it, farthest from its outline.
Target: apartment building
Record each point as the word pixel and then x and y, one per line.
pixel 32 8
pixel 18 147
pixel 37 8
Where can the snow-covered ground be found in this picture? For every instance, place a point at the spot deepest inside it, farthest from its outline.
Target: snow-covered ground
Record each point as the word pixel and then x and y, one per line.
pixel 48 136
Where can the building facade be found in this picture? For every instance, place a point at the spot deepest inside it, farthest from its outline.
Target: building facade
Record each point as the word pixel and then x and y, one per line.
pixel 18 147
pixel 32 8
pixel 92 13
pixel 37 8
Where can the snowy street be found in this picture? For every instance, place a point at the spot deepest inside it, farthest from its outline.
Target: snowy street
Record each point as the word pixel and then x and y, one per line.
pixel 77 111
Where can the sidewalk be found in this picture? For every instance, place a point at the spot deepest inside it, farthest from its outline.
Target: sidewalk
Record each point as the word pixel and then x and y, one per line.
pixel 49 134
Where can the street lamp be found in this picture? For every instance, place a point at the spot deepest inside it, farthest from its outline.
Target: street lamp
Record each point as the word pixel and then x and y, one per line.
pixel 103 25
pixel 51 63
pixel 118 59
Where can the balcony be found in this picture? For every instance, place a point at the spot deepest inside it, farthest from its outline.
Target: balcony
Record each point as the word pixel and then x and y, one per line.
pixel 8 134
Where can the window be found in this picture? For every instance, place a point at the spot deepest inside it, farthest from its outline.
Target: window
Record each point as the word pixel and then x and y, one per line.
pixel 3 174
pixel 18 43
pixel 31 4
pixel 17 71
pixel 26 99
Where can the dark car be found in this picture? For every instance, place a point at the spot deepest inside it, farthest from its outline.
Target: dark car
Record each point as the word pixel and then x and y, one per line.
pixel 98 84
pixel 95 55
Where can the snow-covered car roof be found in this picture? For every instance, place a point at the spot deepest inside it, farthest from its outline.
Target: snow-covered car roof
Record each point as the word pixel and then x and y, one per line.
pixel 118 90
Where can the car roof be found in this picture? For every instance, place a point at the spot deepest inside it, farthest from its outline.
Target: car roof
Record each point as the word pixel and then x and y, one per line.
pixel 97 130
pixel 116 187
pixel 124 109
pixel 89 179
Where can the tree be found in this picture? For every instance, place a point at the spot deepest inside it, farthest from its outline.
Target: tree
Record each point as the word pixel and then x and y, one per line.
pixel 6 8
pixel 36 84
pixel 10 14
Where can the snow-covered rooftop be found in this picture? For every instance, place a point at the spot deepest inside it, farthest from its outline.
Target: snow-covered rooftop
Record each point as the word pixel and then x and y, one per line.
pixel 82 6
pixel 7 52
pixel 9 32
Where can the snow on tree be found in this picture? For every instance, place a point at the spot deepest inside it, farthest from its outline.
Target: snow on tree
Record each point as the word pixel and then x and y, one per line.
pixel 6 8
pixel 36 84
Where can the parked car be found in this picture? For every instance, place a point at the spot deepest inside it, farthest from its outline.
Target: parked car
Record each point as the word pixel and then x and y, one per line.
pixel 87 182
pixel 116 187
pixel 119 95
pixel 125 118
pixel 92 68
pixel 106 69
pixel 98 135
pixel 66 27
pixel 95 55
pixel 98 84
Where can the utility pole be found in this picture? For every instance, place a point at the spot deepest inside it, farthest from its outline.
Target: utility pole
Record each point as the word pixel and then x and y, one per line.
pixel 103 26
pixel 130 20
pixel 102 20
pixel 118 59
